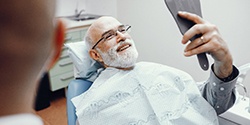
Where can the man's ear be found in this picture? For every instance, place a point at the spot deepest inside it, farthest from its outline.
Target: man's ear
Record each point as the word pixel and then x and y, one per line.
pixel 95 55
pixel 57 42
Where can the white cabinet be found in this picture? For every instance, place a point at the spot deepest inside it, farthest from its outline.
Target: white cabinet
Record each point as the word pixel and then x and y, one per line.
pixel 62 72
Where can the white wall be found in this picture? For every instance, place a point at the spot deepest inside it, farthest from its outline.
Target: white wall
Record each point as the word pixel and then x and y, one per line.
pixel 67 7
pixel 99 7
pixel 158 39
pixel 102 7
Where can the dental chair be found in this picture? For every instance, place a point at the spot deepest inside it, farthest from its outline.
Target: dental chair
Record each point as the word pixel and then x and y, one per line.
pixel 75 88
pixel 85 72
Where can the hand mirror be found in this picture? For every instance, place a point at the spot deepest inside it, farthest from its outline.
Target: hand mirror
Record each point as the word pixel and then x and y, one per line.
pixel 192 6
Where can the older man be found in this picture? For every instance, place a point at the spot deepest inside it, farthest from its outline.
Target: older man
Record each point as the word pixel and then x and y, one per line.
pixel 31 41
pixel 130 93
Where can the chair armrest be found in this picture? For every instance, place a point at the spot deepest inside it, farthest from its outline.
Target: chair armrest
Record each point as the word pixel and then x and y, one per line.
pixel 75 88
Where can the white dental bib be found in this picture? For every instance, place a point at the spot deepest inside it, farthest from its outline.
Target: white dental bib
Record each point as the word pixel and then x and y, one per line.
pixel 150 94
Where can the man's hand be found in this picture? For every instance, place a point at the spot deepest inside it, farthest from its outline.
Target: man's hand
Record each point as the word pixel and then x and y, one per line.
pixel 211 42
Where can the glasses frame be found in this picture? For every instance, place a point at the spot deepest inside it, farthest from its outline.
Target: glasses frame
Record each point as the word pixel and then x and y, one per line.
pixel 127 27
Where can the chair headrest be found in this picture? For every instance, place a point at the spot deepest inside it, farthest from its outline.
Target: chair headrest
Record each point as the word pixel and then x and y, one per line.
pixel 84 66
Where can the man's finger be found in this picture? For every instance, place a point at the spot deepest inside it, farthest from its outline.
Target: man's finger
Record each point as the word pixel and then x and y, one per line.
pixel 192 17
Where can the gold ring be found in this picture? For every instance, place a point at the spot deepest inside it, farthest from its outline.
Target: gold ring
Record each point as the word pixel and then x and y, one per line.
pixel 202 39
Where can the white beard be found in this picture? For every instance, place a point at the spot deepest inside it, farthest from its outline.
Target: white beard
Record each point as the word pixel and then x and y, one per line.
pixel 126 59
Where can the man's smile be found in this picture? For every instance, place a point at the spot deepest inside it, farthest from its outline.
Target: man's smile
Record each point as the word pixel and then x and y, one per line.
pixel 123 47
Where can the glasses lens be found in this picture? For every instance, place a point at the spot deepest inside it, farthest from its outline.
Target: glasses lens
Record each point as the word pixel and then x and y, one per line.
pixel 128 28
pixel 109 35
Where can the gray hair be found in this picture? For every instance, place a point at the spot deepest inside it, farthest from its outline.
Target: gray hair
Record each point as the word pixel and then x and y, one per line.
pixel 88 40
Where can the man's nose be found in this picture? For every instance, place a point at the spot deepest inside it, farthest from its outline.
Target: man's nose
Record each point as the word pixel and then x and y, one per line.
pixel 120 37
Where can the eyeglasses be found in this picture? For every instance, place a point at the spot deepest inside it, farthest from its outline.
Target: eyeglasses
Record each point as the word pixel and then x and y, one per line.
pixel 112 33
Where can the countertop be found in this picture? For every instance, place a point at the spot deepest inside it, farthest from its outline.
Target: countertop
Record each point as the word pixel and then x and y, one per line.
pixel 71 25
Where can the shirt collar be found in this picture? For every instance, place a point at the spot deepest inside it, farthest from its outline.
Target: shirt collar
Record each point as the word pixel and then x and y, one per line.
pixel 21 119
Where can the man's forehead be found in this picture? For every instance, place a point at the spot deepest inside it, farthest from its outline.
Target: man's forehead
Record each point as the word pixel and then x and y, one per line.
pixel 106 23
pixel 102 25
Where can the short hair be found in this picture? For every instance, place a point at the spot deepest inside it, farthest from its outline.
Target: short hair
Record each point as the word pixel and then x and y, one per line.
pixel 88 40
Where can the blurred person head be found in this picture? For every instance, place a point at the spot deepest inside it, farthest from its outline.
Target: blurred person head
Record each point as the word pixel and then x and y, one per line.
pixel 30 43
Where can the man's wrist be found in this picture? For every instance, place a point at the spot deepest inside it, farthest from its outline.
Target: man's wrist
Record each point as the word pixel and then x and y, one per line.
pixel 223 69
pixel 230 76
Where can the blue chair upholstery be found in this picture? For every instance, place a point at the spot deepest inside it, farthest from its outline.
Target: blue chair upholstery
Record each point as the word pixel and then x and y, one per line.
pixel 75 88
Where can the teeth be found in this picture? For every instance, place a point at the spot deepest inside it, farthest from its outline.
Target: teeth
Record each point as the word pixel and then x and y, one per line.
pixel 124 47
